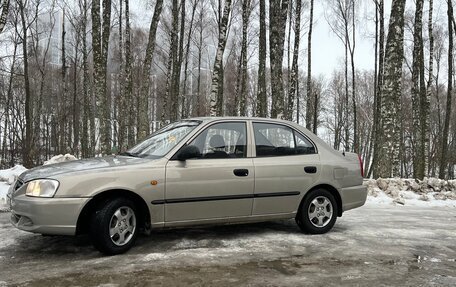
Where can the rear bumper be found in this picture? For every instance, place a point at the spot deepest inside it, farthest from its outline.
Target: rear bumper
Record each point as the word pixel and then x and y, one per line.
pixel 353 197
pixel 57 216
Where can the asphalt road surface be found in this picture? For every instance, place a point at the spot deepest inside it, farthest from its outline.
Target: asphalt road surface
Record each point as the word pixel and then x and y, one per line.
pixel 370 246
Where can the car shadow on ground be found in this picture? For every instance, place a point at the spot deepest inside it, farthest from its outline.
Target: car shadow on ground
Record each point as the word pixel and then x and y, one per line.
pixel 35 245
pixel 80 247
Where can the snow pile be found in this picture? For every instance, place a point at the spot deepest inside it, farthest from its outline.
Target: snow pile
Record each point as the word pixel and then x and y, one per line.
pixel 7 177
pixel 429 191
pixel 60 158
pixel 10 175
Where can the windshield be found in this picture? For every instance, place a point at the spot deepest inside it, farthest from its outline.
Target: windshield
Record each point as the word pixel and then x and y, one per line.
pixel 161 142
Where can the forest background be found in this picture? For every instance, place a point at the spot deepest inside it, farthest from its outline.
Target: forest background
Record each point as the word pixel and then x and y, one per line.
pixel 92 77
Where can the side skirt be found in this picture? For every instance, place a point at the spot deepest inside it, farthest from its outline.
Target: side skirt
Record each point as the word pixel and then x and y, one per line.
pixel 224 220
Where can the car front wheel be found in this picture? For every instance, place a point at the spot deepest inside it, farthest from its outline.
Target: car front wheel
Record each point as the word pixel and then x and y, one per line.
pixel 114 226
pixel 318 213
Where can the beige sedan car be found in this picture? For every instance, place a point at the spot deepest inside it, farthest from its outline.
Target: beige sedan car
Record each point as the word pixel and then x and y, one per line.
pixel 193 172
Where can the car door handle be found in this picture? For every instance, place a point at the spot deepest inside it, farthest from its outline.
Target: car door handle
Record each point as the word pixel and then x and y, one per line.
pixel 241 172
pixel 310 169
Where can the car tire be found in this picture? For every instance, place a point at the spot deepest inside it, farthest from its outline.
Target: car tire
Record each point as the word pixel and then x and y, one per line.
pixel 318 212
pixel 113 227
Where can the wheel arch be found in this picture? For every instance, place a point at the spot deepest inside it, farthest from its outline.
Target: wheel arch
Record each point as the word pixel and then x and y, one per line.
pixel 100 198
pixel 332 190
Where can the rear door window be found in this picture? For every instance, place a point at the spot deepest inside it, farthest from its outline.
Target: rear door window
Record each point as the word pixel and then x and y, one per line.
pixel 279 140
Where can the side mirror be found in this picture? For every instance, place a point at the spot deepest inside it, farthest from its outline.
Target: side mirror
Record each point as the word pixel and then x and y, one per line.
pixel 188 152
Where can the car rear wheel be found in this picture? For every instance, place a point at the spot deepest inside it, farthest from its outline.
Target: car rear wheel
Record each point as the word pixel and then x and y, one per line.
pixel 114 226
pixel 318 212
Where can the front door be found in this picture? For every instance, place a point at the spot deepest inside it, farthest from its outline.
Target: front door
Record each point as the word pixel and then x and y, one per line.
pixel 219 183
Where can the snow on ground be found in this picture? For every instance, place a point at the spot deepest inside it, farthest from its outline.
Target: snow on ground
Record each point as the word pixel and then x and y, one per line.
pixel 405 191
pixel 368 246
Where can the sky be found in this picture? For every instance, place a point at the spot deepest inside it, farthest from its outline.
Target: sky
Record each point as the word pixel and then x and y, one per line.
pixel 327 49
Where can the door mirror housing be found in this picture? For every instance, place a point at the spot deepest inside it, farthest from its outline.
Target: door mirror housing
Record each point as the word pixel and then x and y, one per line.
pixel 188 152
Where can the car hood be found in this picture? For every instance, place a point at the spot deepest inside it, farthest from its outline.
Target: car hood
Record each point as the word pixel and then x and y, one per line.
pixel 48 171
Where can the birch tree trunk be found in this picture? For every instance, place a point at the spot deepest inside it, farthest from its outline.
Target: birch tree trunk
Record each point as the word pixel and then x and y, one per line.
pixel 178 65
pixel 309 71
pixel 120 100
pixel 9 100
pixel 186 103
pixel 352 46
pixel 262 97
pixel 277 23
pixel 106 102
pixel 246 11
pixel 294 65
pixel 425 102
pixel 389 162
pixel 62 108
pixel 128 89
pixel 346 96
pixel 85 86
pixel 217 73
pixel 100 41
pixel 446 125
pixel 97 54
pixel 418 167
pixel 167 113
pixel 4 14
pixel 378 100
pixel 143 126
pixel 28 146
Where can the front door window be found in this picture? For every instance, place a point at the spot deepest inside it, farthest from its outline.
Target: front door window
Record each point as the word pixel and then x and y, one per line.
pixel 224 140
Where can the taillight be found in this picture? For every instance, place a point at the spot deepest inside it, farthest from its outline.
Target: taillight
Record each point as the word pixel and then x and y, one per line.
pixel 361 165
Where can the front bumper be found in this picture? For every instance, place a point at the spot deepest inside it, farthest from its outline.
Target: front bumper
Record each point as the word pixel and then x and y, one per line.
pixel 353 197
pixel 56 216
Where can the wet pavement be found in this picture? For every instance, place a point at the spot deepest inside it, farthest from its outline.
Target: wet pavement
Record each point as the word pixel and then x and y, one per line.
pixel 369 246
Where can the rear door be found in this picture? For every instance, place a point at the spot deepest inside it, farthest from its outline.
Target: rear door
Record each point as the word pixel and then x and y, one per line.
pixel 219 184
pixel 286 166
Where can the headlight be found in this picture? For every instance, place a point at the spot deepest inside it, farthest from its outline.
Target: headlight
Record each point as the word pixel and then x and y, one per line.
pixel 42 188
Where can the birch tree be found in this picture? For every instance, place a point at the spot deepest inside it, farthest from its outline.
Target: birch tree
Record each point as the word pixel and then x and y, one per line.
pixel 446 125
pixel 27 149
pixel 278 10
pixel 217 73
pixel 87 135
pixel 170 99
pixel 294 67
pixel 187 103
pixel 377 126
pixel 4 14
pixel 417 88
pixel 246 11
pixel 425 102
pixel 145 83
pixel 101 29
pixel 309 70
pixel 389 162
pixel 262 96
pixel 128 81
